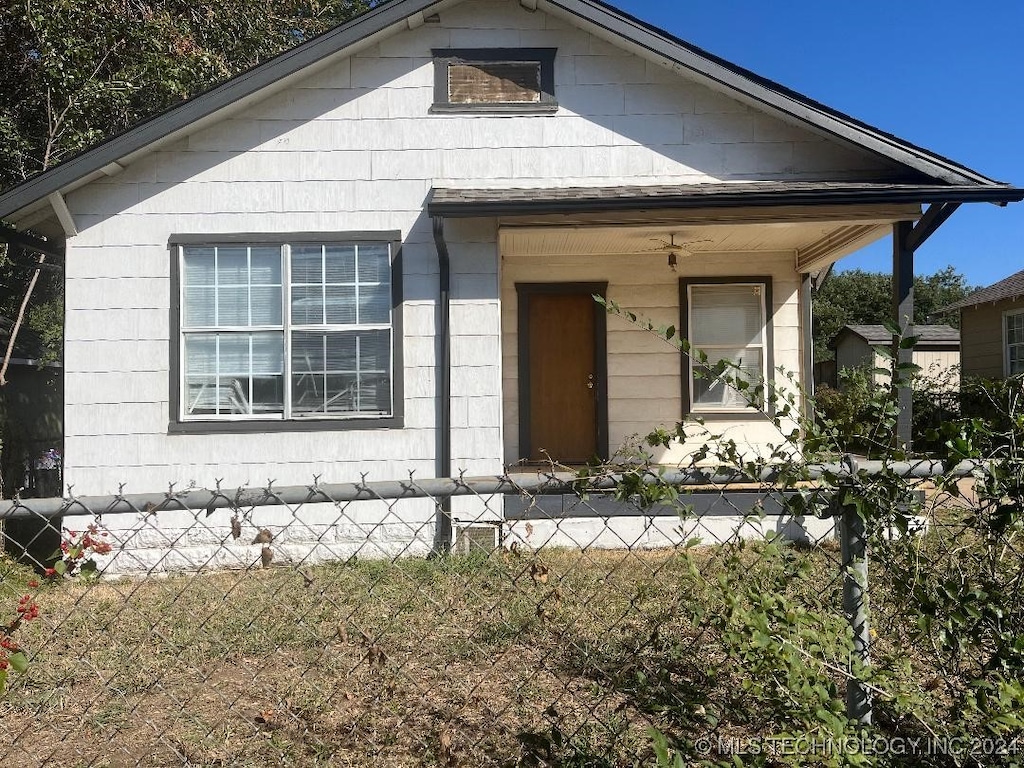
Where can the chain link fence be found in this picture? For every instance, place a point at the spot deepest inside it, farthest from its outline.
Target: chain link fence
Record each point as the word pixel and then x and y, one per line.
pixel 564 621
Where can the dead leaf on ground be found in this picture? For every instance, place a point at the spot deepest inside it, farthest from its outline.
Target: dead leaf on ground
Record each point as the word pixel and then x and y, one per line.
pixel 445 743
pixel 539 573
pixel 376 657
pixel 269 719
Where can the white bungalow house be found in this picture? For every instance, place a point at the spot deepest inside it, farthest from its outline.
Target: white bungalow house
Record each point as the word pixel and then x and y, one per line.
pixel 376 253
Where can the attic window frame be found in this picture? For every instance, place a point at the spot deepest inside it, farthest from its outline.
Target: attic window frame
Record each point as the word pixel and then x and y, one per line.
pixel 445 57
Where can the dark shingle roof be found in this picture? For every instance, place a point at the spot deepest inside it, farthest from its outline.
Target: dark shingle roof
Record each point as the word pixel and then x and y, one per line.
pixel 1011 287
pixel 447 201
pixel 775 98
pixel 927 335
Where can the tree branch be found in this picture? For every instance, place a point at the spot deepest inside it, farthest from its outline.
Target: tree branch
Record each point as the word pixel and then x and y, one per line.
pixel 18 321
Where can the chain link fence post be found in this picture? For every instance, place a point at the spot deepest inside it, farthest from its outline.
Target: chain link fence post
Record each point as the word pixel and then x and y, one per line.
pixel 853 547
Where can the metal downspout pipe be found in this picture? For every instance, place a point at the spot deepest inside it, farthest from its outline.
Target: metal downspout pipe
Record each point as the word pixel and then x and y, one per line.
pixel 443 534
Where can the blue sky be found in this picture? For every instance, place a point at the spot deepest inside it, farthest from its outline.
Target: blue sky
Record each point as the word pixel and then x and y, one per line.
pixel 947 75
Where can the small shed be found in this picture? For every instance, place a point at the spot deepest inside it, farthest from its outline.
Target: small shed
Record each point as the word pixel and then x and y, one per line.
pixel 937 351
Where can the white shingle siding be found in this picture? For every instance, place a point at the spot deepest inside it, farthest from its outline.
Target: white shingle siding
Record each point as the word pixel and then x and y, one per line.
pixel 644 388
pixel 353 148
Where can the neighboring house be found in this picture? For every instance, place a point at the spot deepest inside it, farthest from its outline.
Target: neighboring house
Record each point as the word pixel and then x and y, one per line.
pixel 936 353
pixel 376 253
pixel 992 329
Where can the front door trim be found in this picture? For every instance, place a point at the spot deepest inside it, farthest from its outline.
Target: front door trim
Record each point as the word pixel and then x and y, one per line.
pixel 524 291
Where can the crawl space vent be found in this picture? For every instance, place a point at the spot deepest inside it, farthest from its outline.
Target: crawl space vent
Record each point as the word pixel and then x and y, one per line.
pixel 476 538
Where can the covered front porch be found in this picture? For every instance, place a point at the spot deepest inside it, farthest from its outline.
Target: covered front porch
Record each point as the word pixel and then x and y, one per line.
pixel 730 266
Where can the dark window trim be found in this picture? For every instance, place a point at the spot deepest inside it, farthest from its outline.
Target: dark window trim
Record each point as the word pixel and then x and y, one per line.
pixel 332 424
pixel 445 56
pixel 280 238
pixel 684 332
pixel 523 293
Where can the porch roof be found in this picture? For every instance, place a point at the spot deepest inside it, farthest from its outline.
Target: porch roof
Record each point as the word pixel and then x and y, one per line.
pixel 466 202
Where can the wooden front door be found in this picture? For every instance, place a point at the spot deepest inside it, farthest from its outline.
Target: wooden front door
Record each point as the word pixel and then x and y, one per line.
pixel 562 372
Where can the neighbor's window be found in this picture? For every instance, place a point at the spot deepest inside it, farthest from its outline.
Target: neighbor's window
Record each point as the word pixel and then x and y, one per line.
pixel 1014 325
pixel 726 321
pixel 494 79
pixel 291 331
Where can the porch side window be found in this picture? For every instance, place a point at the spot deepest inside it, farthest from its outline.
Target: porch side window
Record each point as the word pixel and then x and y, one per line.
pixel 298 330
pixel 1014 334
pixel 725 321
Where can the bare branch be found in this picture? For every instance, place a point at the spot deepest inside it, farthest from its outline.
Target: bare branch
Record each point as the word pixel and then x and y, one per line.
pixel 18 321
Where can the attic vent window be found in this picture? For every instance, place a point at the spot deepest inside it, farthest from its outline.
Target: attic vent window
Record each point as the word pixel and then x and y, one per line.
pixel 494 80
pixel 508 82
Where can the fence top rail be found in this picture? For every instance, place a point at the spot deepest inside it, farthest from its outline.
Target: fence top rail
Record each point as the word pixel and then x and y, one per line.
pixel 536 483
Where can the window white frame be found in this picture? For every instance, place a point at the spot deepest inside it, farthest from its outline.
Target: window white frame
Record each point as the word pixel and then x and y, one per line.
pixel 1018 316
pixel 220 331
pixel 182 420
pixel 760 284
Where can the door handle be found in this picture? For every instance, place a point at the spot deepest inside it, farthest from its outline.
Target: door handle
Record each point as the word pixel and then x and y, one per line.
pixel 590 381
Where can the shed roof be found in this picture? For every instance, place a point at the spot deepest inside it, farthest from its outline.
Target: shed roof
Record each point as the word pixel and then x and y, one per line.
pixel 400 14
pixel 1011 287
pixel 927 335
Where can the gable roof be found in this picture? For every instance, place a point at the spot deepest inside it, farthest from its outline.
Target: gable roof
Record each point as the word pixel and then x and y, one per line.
pixel 1011 287
pixel 927 335
pixel 598 16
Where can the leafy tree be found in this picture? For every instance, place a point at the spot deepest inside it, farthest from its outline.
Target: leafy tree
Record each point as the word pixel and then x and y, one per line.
pixel 863 297
pixel 78 72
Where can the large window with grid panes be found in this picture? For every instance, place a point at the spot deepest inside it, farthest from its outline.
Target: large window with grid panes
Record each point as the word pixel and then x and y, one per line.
pixel 297 330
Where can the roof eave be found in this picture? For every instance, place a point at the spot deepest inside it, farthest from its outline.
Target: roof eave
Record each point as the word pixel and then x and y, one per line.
pixel 738 199
pixel 773 95
pixel 593 12
pixel 217 98
pixel 971 304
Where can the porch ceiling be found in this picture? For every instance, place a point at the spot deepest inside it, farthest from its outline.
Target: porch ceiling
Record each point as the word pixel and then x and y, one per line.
pixel 818 222
pixel 813 244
